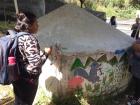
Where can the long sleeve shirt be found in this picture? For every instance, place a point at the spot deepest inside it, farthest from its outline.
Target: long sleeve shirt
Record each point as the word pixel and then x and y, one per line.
pixel 30 55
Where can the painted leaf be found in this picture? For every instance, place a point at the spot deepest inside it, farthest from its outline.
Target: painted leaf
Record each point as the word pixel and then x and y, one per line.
pixel 77 63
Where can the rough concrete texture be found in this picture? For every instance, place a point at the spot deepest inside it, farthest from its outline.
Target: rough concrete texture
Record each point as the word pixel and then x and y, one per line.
pixel 86 51
pixel 76 30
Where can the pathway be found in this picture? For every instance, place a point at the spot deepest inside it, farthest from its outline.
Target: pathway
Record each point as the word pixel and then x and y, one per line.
pixel 125 25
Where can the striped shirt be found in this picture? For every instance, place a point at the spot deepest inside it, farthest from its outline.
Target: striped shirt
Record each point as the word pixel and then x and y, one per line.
pixel 30 55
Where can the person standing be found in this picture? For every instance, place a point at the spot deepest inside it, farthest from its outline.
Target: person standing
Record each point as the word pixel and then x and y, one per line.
pixel 135 29
pixel 30 59
pixel 113 21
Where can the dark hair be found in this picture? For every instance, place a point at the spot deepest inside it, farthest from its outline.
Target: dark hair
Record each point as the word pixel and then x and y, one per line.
pixel 24 21
pixel 112 18
pixel 31 17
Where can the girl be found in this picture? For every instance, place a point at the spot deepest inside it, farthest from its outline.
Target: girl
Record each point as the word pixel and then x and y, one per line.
pixel 30 59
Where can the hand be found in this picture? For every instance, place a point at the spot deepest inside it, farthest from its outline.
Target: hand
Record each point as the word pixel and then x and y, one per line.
pixel 48 50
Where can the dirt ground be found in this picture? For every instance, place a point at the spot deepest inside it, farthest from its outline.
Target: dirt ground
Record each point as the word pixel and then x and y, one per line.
pixel 6 92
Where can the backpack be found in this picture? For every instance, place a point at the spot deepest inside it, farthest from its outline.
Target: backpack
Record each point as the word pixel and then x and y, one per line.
pixel 9 71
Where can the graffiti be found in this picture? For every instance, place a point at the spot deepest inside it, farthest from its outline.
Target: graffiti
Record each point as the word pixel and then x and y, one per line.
pixel 101 74
pixel 113 60
pixel 104 74
pixel 77 64
pixel 92 76
pixel 75 82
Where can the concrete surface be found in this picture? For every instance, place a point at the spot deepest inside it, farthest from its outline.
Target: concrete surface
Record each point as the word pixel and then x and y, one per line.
pixel 76 30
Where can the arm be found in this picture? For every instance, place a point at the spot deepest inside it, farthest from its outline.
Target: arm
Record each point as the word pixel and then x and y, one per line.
pixel 34 55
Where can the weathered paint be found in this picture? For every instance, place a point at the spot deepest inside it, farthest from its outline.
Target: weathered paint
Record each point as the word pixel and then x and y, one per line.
pixel 87 52
pixel 110 75
pixel 103 72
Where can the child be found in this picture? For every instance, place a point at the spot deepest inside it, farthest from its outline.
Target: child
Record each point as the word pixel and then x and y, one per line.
pixel 30 58
pixel 135 29
pixel 113 21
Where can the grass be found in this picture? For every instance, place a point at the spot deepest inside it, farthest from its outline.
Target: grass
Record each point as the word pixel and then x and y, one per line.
pixel 41 98
pixel 6 95
pixel 74 98
pixel 79 98
pixel 4 26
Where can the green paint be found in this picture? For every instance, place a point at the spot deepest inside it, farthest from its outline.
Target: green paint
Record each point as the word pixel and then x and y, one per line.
pixel 77 63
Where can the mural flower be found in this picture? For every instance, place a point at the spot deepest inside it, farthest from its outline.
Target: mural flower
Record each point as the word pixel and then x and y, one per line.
pixel 75 82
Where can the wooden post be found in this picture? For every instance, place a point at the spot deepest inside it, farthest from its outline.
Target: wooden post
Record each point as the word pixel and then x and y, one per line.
pixel 16 6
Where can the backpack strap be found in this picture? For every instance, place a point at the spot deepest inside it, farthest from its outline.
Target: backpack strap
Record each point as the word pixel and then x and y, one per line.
pixel 22 33
pixel 15 36
pixel 12 33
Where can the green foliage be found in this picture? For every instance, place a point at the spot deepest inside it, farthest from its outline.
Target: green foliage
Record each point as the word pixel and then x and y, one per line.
pixel 80 97
pixel 75 97
pixel 41 98
pixel 114 3
pixel 90 4
pixel 124 9
pixel 135 2
pixel 4 26
pixel 70 99
pixel 137 6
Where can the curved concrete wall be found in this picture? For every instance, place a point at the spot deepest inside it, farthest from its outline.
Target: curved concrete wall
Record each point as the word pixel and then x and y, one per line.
pixel 86 51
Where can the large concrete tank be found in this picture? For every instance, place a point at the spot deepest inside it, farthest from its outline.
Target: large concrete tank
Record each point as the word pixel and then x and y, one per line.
pixel 87 51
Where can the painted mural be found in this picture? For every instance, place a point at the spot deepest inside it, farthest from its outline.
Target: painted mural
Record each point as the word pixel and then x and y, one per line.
pixel 88 53
pixel 105 74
